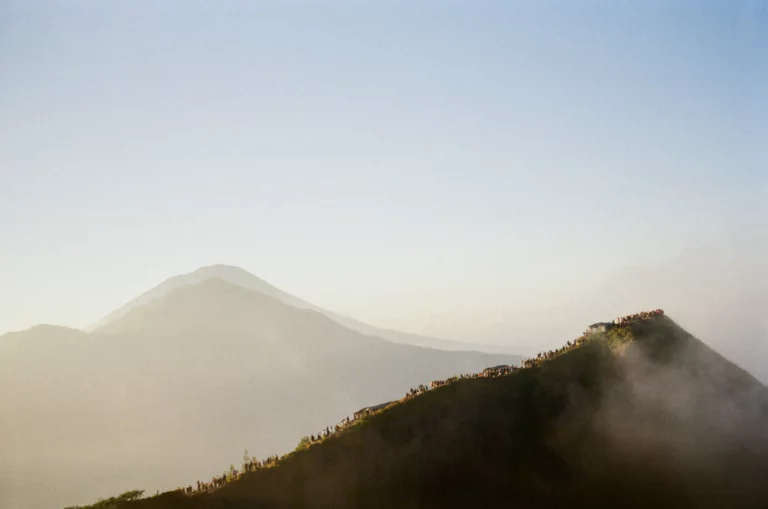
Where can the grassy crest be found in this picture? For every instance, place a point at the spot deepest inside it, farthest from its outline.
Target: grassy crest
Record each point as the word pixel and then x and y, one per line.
pixel 566 431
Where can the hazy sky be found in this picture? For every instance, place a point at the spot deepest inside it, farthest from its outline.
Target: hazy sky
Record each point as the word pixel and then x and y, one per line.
pixel 426 166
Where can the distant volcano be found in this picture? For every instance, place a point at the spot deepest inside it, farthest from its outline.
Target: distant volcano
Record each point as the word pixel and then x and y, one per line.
pixel 241 277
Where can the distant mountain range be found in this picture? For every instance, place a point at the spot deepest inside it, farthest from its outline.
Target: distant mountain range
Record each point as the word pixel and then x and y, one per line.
pixel 176 384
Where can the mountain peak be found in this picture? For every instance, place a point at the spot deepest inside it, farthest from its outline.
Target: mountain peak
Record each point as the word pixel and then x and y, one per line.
pixel 219 269
pixel 241 277
pixel 228 273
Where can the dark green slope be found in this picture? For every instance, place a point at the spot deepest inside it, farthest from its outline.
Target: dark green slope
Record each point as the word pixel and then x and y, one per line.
pixel 641 416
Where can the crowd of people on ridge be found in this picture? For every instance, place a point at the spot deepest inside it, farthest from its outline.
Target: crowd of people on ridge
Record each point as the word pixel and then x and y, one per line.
pixel 328 431
pixel 251 465
pixel 643 315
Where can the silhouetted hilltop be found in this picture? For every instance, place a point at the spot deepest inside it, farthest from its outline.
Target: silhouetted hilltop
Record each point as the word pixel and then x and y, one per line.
pixel 639 415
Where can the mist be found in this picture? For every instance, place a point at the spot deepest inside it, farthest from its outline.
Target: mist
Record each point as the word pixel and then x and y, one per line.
pixel 679 416
pixel 174 390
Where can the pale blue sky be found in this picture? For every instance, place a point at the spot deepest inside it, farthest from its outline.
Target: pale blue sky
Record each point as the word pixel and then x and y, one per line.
pixel 420 165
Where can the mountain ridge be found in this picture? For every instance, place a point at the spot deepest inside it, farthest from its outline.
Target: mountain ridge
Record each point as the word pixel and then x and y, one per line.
pixel 241 277
pixel 590 427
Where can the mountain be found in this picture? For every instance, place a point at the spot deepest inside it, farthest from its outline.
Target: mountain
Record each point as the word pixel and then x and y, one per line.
pixel 178 386
pixel 718 292
pixel 241 277
pixel 644 415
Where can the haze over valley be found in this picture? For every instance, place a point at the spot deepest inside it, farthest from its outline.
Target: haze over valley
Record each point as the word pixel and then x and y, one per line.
pixel 180 382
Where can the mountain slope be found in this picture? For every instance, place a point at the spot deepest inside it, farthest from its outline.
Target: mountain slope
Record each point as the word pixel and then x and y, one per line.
pixel 643 416
pixel 240 277
pixel 178 386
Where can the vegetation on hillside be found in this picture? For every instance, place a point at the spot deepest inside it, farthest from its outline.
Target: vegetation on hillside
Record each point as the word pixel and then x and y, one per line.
pixel 572 428
pixel 112 502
